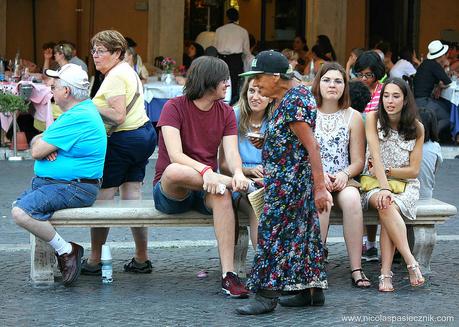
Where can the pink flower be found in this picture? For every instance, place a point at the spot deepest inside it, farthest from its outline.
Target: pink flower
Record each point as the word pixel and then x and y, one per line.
pixel 168 64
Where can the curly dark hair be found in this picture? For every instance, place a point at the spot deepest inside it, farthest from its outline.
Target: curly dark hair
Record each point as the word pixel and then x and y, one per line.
pixel 360 95
pixel 407 126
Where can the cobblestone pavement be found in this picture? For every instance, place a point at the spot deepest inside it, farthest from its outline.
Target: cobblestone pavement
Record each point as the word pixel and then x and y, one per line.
pixel 173 296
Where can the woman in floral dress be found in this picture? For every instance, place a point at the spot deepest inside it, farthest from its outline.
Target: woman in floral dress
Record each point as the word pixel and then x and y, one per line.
pixel 395 137
pixel 289 254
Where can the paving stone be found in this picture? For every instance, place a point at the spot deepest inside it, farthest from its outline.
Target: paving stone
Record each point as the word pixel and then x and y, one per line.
pixel 173 296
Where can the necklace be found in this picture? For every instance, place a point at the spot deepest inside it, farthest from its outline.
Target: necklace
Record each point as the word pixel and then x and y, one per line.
pixel 255 125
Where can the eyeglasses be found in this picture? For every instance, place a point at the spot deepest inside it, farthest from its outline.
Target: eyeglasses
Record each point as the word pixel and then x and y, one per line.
pixel 366 75
pixel 337 82
pixel 98 52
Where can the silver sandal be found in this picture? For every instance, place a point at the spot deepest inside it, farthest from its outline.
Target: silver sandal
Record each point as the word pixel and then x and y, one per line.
pixel 414 268
pixel 382 284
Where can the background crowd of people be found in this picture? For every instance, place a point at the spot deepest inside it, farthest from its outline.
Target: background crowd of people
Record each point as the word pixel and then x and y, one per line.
pixel 303 124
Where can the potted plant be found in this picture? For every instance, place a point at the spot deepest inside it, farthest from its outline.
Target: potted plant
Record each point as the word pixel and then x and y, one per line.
pixel 9 105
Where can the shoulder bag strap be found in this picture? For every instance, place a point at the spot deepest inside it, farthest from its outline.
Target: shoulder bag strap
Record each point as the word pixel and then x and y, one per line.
pixel 130 105
pixel 136 96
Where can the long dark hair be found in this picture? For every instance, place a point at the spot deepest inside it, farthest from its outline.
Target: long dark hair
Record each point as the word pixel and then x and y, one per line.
pixel 320 53
pixel 429 120
pixel 324 42
pixel 407 126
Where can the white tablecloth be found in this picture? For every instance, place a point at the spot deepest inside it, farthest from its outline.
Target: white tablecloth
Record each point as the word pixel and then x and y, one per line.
pixel 451 93
pixel 159 90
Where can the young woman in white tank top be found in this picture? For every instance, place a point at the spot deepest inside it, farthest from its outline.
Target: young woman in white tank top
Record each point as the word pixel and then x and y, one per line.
pixel 341 135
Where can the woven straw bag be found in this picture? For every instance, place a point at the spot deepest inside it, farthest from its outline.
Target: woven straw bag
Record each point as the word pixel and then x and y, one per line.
pixel 257 200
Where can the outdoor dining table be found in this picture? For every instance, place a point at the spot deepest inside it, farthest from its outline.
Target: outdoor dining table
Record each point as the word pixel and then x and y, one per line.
pixel 451 94
pixel 156 94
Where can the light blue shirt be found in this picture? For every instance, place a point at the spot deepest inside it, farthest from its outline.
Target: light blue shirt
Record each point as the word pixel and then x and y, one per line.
pixel 79 134
pixel 250 155
pixel 431 161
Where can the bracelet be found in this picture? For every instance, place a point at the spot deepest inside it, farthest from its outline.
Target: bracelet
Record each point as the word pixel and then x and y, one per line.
pixel 346 171
pixel 203 171
pixel 388 171
pixel 385 189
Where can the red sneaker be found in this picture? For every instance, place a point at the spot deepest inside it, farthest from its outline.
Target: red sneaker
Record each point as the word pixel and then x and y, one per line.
pixel 232 286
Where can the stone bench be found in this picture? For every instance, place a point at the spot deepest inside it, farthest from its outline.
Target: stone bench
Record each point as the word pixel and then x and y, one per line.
pixel 141 213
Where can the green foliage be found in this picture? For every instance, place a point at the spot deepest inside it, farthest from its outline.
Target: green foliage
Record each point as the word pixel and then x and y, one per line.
pixel 10 102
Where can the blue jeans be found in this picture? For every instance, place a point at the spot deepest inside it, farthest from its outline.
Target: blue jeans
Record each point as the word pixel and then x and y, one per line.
pixel 193 201
pixel 47 196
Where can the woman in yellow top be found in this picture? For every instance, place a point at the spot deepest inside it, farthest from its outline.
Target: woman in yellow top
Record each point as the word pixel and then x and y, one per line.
pixel 131 141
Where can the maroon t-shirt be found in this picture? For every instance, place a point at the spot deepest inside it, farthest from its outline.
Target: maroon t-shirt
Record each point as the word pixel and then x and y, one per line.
pixel 201 132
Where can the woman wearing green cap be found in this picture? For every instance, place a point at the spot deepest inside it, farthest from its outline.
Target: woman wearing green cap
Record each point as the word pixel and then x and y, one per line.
pixel 289 254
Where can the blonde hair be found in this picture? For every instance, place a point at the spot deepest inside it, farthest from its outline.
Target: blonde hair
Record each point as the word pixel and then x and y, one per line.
pixel 290 54
pixel 65 49
pixel 245 110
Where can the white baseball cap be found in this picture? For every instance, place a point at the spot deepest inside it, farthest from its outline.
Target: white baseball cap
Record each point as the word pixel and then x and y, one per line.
pixel 72 74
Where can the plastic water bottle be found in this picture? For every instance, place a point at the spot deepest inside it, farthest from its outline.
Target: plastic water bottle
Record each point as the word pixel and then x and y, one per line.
pixel 107 267
pixel 311 70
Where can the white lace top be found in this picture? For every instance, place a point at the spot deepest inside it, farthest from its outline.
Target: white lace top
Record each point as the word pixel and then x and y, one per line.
pixel 332 134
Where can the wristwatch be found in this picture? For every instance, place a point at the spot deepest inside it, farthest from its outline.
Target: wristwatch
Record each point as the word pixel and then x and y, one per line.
pixel 387 171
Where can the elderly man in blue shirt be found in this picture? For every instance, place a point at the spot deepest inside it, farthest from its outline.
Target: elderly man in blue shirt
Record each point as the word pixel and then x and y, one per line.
pixel 69 164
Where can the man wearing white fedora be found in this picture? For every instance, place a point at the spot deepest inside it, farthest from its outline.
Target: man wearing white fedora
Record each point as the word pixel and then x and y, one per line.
pixel 431 73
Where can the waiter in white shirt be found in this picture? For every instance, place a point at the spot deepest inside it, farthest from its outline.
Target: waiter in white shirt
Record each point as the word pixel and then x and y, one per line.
pixel 232 43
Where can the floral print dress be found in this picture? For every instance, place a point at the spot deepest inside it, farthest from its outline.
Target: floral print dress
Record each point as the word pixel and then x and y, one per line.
pixel 395 153
pixel 289 253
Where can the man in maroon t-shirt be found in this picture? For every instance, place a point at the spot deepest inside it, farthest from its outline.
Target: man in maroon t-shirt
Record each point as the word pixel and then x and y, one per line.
pixel 192 128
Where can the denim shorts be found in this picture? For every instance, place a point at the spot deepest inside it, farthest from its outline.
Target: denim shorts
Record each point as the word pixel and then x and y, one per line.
pixel 193 201
pixel 47 196
pixel 127 155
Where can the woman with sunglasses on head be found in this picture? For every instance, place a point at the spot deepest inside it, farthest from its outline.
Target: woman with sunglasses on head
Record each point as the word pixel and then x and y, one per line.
pixel 369 68
pixel 131 141
pixel 395 137
pixel 252 114
pixel 62 54
pixel 341 137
